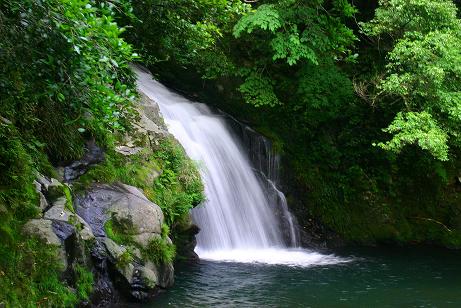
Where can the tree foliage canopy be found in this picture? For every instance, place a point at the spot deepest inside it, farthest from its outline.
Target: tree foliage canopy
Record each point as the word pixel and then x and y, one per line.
pixel 423 71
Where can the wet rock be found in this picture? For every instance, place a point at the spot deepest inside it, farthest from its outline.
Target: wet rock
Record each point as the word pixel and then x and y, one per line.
pixel 43 181
pixel 84 229
pixel 186 241
pixel 63 230
pixel 93 155
pixel 43 203
pixel 164 273
pixel 104 291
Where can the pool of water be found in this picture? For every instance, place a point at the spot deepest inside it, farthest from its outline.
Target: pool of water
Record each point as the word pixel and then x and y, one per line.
pixel 374 278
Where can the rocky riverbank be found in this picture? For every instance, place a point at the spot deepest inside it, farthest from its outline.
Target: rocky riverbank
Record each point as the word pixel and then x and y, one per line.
pixel 112 233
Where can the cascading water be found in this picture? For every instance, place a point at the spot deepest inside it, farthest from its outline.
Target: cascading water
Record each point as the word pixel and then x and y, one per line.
pixel 267 164
pixel 237 221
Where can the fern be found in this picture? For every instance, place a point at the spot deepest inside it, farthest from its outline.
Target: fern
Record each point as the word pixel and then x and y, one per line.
pixel 289 46
pixel 266 17
pixel 258 90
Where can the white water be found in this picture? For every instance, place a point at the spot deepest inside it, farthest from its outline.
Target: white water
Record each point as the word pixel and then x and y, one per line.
pixel 237 220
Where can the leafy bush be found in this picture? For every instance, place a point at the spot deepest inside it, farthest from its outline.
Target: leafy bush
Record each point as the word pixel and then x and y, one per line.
pixel 64 70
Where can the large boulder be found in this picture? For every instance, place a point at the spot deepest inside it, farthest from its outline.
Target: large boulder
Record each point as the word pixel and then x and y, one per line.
pixel 137 277
pixel 125 204
pixel 141 220
pixel 138 212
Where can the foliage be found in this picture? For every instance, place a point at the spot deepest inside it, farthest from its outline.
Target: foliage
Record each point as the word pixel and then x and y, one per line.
pixel 64 70
pixel 420 128
pixel 423 71
pixel 179 188
pixel 29 267
pixel 325 102
pixel 159 251
pixel 64 77
pixel 186 31
pixel 84 282
pixel 296 33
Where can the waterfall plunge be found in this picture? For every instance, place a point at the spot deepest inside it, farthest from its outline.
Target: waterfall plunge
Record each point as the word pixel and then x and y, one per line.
pixel 237 220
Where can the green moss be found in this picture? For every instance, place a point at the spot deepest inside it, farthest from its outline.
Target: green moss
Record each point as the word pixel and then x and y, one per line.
pixel 179 188
pixel 125 259
pixel 138 170
pixel 159 251
pixel 84 282
pixel 165 230
pixel 118 232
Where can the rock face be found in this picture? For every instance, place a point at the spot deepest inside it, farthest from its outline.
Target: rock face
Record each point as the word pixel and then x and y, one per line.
pixel 121 270
pixel 57 225
pixel 129 270
pixel 109 229
pixel 93 155
pixel 134 208
pixel 43 229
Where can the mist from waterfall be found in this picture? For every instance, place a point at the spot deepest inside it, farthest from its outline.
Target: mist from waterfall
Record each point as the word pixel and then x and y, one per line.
pixel 238 220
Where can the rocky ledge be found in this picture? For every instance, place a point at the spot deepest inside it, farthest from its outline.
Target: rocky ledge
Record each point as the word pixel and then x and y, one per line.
pixel 113 230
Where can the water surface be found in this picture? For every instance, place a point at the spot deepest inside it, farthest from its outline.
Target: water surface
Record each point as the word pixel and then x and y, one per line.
pixel 376 278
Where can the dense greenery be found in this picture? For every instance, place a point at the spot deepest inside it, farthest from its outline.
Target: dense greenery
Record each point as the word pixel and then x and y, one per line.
pixel 362 100
pixel 64 77
pixel 422 73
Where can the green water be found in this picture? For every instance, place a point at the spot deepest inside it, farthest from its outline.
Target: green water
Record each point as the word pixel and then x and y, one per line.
pixel 376 278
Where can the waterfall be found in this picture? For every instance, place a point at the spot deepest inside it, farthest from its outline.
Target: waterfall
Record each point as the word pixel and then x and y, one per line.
pixel 266 163
pixel 238 221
